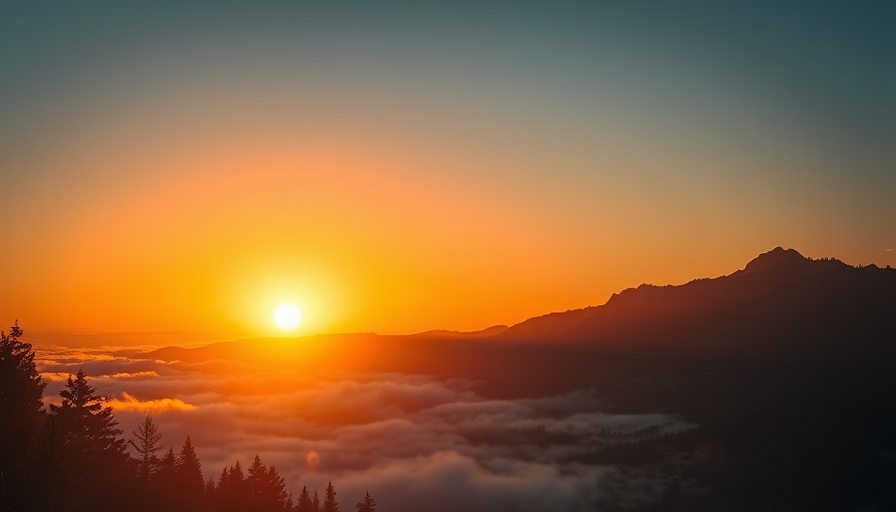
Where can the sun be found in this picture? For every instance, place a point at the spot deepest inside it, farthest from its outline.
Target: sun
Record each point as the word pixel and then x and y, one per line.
pixel 287 315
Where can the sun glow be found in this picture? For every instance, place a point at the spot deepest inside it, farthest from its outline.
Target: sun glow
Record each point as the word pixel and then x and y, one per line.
pixel 287 315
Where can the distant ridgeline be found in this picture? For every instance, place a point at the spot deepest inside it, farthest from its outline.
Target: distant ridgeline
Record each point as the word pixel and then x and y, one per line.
pixel 780 301
pixel 781 307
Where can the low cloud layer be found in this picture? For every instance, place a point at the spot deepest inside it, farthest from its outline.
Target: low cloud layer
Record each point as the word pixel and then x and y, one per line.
pixel 413 441
pixel 131 403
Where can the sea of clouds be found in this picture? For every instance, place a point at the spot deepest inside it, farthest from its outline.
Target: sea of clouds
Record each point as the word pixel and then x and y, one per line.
pixel 414 442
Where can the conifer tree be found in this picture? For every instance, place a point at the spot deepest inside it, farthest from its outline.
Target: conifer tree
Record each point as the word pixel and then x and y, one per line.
pixel 330 503
pixel 368 505
pixel 222 498
pixel 267 490
pixel 190 484
pixel 305 504
pixel 90 456
pixel 86 424
pixel 21 416
pixel 231 495
pixel 208 495
pixel 255 476
pixel 164 482
pixel 315 502
pixel 145 441
pixel 276 486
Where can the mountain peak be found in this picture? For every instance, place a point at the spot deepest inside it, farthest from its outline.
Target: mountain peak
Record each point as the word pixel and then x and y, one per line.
pixel 777 257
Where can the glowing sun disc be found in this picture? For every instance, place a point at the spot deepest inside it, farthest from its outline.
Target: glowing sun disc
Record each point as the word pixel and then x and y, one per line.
pixel 287 315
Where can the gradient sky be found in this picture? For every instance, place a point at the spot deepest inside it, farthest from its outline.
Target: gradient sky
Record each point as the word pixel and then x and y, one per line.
pixel 402 166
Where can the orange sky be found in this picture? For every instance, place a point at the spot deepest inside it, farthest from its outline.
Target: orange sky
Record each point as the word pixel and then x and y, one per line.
pixel 211 235
pixel 400 185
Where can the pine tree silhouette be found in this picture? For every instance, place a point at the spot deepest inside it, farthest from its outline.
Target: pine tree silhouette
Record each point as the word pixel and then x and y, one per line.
pixel 232 493
pixel 315 502
pixel 145 441
pixel 330 503
pixel 267 490
pixel 89 455
pixel 368 505
pixel 21 393
pixel 164 482
pixel 305 504
pixel 190 484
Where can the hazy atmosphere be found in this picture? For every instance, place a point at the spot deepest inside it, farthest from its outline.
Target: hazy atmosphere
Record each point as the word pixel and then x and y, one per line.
pixel 397 167
pixel 477 256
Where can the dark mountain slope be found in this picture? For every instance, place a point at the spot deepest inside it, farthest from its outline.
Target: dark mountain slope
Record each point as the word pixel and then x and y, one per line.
pixel 549 326
pixel 816 309
pixel 777 302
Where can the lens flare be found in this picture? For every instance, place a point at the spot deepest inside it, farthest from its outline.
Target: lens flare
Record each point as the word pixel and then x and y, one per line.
pixel 312 459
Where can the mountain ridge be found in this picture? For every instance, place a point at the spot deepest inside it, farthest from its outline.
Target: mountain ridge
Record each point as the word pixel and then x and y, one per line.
pixel 767 276
pixel 775 269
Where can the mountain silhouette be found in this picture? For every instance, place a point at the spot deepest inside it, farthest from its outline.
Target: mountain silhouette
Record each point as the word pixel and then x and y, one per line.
pixel 551 325
pixel 779 289
pixel 786 366
pixel 781 307
pixel 628 314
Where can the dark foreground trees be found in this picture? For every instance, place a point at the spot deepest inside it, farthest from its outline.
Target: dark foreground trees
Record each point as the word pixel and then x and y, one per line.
pixel 304 504
pixel 163 485
pixel 190 485
pixel 72 457
pixel 145 441
pixel 368 505
pixel 266 488
pixel 91 470
pixel 330 503
pixel 21 420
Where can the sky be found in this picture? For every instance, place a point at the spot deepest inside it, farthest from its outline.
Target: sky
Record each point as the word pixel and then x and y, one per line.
pixel 181 168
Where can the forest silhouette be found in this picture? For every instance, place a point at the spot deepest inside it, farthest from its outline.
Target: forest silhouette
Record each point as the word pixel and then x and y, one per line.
pixel 73 457
pixel 786 367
